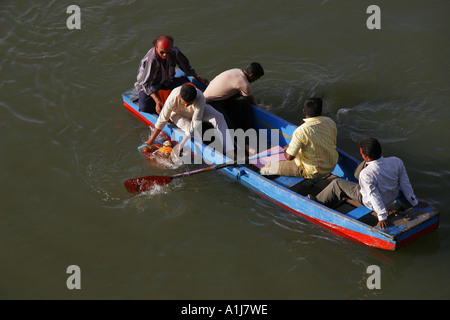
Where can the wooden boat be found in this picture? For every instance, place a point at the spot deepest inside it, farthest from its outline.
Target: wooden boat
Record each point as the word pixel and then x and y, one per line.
pixel 348 219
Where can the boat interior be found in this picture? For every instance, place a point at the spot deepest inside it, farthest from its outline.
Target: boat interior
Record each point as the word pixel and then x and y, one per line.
pixel 305 187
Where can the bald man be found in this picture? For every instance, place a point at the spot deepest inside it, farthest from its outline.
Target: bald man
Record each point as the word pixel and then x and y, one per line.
pixel 157 72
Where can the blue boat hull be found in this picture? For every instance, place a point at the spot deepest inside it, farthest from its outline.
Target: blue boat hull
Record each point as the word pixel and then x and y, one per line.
pixel 406 227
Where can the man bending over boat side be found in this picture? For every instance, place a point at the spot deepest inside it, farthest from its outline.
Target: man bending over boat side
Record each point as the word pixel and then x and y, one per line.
pixel 186 107
pixel 311 154
pixel 156 74
pixel 380 180
pixel 231 93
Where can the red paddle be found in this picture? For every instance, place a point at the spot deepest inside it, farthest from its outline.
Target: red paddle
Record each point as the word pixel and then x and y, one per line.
pixel 146 183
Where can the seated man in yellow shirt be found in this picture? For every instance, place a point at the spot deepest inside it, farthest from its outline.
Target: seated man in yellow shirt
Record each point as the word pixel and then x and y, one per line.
pixel 311 154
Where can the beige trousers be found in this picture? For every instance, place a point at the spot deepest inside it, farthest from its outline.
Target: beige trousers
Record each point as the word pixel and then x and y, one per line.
pixel 282 168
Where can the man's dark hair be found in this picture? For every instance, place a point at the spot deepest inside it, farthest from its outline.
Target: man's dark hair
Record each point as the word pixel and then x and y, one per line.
pixel 371 148
pixel 313 107
pixel 188 92
pixel 255 69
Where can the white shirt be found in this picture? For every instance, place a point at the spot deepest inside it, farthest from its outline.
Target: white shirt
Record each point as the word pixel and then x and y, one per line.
pixel 173 106
pixel 228 84
pixel 381 182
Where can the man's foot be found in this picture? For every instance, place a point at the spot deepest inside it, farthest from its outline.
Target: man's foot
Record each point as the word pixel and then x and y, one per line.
pixel 312 197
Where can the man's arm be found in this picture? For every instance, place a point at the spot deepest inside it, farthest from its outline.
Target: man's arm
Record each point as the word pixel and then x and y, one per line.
pixel 405 185
pixel 153 137
pixel 199 108
pixel 293 148
pixel 204 81
pixel 252 99
pixel 163 118
pixel 158 102
pixel 287 155
pixel 373 199
pixel 181 144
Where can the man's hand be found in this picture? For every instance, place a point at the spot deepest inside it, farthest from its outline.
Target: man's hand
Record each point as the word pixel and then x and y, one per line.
pixel 181 145
pixel 152 139
pixel 204 81
pixel 422 204
pixel 159 107
pixel 178 150
pixel 383 224
pixel 287 155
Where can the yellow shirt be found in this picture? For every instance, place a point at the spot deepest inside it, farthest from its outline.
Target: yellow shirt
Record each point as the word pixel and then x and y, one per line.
pixel 314 146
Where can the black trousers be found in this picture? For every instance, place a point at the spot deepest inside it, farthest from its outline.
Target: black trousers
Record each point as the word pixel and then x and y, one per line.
pixel 237 112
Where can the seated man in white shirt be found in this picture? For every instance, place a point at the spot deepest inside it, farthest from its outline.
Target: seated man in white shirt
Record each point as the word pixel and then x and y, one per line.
pixel 186 107
pixel 379 183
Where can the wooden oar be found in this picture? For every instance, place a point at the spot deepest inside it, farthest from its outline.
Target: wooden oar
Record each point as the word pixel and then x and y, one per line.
pixel 146 183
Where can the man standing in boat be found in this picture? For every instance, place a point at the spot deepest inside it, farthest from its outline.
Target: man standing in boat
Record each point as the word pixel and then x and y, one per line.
pixel 231 93
pixel 156 73
pixel 380 180
pixel 186 107
pixel 311 154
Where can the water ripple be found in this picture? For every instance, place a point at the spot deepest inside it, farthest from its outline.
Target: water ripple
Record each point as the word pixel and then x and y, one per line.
pixel 20 116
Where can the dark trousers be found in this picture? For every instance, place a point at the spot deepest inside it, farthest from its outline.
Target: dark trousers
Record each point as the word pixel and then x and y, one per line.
pixel 339 189
pixel 237 112
pixel 146 102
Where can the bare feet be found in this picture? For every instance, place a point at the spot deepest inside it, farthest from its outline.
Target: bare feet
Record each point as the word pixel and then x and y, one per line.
pixel 312 197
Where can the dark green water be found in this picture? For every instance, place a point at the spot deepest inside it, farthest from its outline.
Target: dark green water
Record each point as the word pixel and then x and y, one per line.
pixel 68 144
